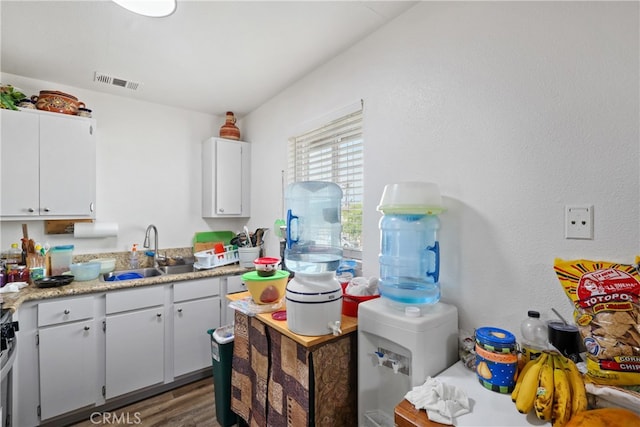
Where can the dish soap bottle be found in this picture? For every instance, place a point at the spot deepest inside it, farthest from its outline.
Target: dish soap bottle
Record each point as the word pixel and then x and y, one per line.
pixel 133 257
pixel 534 336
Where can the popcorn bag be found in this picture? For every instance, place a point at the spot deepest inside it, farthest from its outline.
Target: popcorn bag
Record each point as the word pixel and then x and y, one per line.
pixel 607 311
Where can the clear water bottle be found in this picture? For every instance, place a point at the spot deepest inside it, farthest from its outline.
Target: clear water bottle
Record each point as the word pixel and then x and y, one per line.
pixel 313 227
pixel 410 258
pixel 534 336
pixel 409 247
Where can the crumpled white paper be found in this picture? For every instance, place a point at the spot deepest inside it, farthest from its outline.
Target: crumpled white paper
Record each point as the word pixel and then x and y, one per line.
pixel 12 287
pixel 362 286
pixel 442 401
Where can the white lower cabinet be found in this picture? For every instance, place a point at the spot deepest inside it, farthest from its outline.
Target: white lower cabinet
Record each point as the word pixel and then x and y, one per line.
pixel 196 309
pixel 232 284
pixel 134 337
pixel 68 356
pixel 77 353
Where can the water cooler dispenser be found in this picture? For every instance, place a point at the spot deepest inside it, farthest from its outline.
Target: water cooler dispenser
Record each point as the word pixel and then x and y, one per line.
pixel 406 335
pixel 313 253
pixel 397 352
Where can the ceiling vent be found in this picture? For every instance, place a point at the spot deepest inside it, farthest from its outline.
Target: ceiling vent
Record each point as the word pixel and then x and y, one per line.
pixel 110 80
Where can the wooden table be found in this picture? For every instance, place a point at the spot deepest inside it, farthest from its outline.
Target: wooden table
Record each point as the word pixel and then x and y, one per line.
pixel 282 378
pixel 348 325
pixel 407 415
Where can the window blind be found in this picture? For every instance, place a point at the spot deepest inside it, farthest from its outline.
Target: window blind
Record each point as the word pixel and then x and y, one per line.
pixel 334 152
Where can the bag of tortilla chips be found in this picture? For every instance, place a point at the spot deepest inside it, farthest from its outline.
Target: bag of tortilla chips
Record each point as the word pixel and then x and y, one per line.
pixel 607 311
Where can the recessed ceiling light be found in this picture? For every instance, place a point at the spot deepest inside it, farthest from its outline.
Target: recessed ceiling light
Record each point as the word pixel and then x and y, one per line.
pixel 153 8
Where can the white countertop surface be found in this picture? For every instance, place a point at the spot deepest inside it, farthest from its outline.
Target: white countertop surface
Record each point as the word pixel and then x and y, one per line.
pixel 488 408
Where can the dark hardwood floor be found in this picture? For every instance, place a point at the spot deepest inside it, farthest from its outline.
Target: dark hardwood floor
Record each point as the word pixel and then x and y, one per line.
pixel 192 405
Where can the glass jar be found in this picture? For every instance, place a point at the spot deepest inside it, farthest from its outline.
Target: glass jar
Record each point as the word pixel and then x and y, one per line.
pixel 3 277
pixel 18 273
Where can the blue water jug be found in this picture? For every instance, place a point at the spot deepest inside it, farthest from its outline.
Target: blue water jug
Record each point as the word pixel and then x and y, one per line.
pixel 409 247
pixel 313 227
pixel 410 258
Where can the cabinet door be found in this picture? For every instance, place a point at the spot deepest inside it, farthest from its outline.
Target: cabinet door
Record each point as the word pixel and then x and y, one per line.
pixel 68 368
pixel 228 177
pixel 134 351
pixel 192 344
pixel 19 163
pixel 225 178
pixel 233 284
pixel 67 166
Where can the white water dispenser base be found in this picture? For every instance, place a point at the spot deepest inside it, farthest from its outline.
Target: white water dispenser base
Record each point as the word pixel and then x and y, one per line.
pixel 397 352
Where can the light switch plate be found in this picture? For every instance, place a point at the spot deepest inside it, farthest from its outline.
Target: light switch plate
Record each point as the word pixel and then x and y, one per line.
pixel 578 222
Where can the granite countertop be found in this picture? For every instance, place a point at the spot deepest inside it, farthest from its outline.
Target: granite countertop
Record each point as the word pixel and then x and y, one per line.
pixel 13 300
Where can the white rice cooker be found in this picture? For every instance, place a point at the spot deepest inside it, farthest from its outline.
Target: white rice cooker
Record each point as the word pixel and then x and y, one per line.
pixel 314 304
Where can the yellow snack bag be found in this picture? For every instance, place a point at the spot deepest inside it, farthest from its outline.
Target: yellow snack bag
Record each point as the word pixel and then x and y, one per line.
pixel 607 311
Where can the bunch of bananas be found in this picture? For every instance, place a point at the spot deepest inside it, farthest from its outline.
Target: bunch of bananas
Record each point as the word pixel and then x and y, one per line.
pixel 552 386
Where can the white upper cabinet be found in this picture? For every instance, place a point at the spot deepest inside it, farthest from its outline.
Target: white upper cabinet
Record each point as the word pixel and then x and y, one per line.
pixel 48 163
pixel 226 179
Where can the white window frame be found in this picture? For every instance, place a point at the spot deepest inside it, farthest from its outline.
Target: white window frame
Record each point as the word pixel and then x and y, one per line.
pixel 334 151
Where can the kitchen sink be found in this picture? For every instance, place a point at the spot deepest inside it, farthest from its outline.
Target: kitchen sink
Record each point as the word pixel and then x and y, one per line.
pixel 139 273
pixel 178 269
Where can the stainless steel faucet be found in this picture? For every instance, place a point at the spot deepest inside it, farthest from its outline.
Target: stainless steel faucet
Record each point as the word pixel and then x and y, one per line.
pixel 155 244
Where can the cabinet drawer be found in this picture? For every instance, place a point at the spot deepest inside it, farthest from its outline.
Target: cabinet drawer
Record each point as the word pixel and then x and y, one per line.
pixel 70 310
pixel 134 299
pixel 193 289
pixel 235 284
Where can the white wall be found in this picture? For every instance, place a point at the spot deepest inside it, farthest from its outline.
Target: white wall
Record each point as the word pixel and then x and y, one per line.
pixel 515 110
pixel 148 172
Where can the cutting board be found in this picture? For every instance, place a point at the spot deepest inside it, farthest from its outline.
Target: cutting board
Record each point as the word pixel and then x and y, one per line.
pixel 199 247
pixel 61 226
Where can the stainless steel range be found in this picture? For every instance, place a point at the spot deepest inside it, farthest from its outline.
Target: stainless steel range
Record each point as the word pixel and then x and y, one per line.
pixel 8 351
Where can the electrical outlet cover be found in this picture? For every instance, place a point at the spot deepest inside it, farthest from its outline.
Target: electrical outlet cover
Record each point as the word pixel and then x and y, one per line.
pixel 578 222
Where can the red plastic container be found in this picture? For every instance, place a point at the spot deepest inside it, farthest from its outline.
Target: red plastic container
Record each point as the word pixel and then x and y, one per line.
pixel 350 302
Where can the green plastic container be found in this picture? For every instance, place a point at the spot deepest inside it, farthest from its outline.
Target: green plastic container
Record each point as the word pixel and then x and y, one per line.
pixel 221 358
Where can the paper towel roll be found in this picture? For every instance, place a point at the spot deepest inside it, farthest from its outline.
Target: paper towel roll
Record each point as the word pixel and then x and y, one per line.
pixel 94 229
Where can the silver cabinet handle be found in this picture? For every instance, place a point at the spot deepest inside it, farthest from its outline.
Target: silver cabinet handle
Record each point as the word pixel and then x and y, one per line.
pixel 46 209
pixel 31 210
pixel 67 312
pixel 221 210
pixel 159 315
pixel 91 207
pixel 86 328
pixel 179 310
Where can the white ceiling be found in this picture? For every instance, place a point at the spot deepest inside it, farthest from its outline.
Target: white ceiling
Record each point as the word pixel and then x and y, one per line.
pixel 209 56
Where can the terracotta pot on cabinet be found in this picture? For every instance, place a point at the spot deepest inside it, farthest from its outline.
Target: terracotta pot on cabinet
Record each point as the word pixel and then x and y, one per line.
pixel 229 130
pixel 57 102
